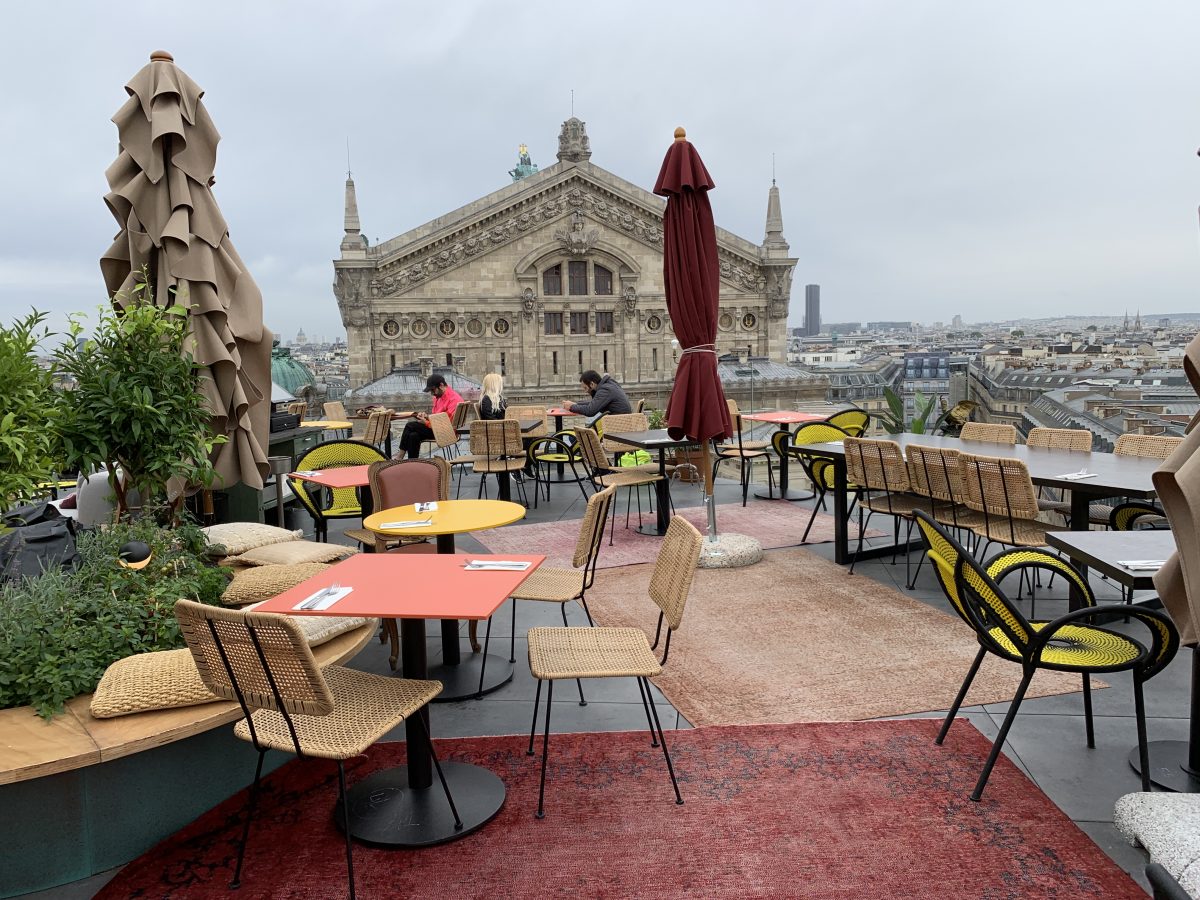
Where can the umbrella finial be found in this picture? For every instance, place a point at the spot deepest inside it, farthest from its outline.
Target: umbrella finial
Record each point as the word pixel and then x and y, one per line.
pixel 680 134
pixel 161 56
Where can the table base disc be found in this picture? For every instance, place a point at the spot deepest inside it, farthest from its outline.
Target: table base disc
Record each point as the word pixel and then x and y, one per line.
pixel 649 530
pixel 1167 761
pixel 461 682
pixel 385 811
pixel 790 495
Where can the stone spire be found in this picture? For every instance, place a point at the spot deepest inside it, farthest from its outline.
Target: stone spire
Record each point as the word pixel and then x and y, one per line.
pixel 1137 321
pixel 573 145
pixel 774 243
pixel 353 244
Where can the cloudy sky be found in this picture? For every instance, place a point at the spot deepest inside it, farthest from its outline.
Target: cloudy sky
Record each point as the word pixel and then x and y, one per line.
pixel 996 160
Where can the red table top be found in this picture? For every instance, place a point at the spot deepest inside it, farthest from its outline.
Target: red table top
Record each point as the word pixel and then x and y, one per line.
pixel 559 411
pixel 337 477
pixel 784 417
pixel 408 586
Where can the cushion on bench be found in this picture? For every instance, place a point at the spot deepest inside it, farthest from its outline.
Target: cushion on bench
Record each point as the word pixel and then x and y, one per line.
pixel 292 553
pixel 238 537
pixel 264 582
pixel 164 679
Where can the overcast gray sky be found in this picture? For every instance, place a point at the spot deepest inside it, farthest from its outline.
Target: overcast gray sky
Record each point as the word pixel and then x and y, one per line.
pixel 994 160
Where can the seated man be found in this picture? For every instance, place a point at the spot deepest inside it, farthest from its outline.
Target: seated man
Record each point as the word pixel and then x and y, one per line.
pixel 417 430
pixel 607 397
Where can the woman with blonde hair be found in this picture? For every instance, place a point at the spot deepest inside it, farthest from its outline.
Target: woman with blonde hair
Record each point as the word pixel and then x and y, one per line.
pixel 492 403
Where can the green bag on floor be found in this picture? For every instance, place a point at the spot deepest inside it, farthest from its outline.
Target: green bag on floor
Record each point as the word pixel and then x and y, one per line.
pixel 635 458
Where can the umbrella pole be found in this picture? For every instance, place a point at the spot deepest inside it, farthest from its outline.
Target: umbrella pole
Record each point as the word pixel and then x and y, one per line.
pixel 709 501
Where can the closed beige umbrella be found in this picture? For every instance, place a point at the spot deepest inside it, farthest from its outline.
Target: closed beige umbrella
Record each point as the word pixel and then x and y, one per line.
pixel 161 196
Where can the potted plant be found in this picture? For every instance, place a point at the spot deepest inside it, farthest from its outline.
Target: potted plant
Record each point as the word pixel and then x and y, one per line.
pixel 136 411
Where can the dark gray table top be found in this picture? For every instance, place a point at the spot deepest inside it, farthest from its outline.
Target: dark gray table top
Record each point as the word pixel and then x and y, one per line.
pixel 1114 475
pixel 1103 551
pixel 654 439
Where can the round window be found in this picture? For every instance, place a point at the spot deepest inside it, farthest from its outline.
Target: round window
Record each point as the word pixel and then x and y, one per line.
pixel 391 328
pixel 725 323
pixel 446 327
pixel 474 328
pixel 654 323
pixel 420 327
pixel 500 326
pixel 749 321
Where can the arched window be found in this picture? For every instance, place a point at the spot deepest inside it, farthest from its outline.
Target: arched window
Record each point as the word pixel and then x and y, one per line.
pixel 602 281
pixel 552 281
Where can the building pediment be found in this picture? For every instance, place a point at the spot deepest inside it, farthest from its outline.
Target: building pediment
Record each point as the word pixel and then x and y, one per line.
pixel 582 201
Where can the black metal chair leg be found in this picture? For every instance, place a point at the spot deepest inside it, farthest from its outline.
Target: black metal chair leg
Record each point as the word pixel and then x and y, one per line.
pixel 541 811
pixel 346 825
pixel 962 693
pixel 587 611
pixel 1087 711
pixel 1139 712
pixel 854 561
pixel 250 807
pixel 487 639
pixel 812 518
pixel 646 701
pixel 512 638
pixel 662 739
pixel 537 698
pixel 1003 735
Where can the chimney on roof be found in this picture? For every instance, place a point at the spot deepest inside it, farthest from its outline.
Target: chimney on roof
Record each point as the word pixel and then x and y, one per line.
pixel 426 365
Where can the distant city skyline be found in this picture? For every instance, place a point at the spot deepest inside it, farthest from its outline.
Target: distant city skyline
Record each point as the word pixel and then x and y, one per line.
pixel 934 158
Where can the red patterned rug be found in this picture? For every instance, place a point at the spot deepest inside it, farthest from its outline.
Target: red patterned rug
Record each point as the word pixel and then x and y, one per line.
pixel 864 809
pixel 774 524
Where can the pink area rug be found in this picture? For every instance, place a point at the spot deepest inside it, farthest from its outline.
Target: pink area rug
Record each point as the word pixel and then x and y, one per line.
pixel 773 524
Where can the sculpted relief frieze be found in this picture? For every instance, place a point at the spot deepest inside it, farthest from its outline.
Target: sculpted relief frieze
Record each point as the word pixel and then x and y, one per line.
pixel 413 269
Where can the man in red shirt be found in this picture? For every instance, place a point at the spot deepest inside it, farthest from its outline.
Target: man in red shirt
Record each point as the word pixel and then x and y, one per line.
pixel 445 399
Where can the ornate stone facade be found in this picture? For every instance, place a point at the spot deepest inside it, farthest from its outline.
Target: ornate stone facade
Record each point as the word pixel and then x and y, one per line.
pixel 558 272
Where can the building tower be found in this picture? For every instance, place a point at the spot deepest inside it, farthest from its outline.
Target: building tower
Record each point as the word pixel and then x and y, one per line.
pixel 812 309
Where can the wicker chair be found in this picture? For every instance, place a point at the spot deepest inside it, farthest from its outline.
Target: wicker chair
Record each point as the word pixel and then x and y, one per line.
pixel 552 585
pixel 378 428
pixel 879 471
pixel 819 470
pixel 558 653
pixel 335 409
pixel 322 503
pixel 1146 446
pixel 623 423
pixel 989 433
pixel 262 661
pixel 936 474
pixel 496 449
pixel 1074 642
pixel 603 474
pixel 852 421
pixel 1060 439
pixel 446 438
pixel 744 453
pixel 529 412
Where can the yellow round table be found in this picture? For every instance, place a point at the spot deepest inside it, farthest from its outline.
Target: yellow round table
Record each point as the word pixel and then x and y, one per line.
pixel 461 679
pixel 327 425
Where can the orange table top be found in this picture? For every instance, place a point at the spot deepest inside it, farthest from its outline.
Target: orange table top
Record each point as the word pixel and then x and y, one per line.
pixel 408 586
pixel 451 517
pixel 558 411
pixel 327 424
pixel 395 415
pixel 337 476
pixel 784 416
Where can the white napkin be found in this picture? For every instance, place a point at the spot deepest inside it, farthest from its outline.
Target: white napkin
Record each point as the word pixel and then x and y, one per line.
pixel 328 598
pixel 1076 476
pixel 412 523
pixel 497 565
pixel 1142 564
pixel 306 473
pixel 431 506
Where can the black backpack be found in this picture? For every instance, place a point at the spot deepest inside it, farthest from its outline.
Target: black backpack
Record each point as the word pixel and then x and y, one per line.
pixel 39 538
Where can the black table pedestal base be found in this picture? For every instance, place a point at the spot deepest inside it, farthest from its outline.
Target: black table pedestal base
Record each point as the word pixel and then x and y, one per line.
pixel 649 531
pixel 461 681
pixel 1168 766
pixel 384 810
pixel 786 495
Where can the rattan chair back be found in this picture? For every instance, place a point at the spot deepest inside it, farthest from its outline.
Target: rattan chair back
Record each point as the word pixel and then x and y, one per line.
pixel 1149 446
pixel 591 532
pixel 444 434
pixel 1060 438
pixel 260 660
pixel 401 482
pixel 335 409
pixel 298 408
pixel 936 473
pixel 379 423
pixel 592 450
pixel 640 406
pixel 529 412
pixel 675 568
pixel 496 438
pixel 461 412
pixel 988 432
pixel 852 421
pixel 621 423
pixel 998 487
pixel 876 465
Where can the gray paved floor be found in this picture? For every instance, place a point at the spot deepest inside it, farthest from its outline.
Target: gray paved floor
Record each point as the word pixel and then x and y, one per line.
pixel 1046 741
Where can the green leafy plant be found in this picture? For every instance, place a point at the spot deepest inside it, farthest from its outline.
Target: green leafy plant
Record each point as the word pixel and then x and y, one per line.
pixel 136 407
pixel 27 416
pixel 893 419
pixel 656 418
pixel 61 630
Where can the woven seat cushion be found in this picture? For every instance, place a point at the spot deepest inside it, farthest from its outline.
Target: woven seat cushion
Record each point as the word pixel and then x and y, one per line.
pixel 238 537
pixel 627 478
pixel 1077 647
pixel 551 585
pixel 365 707
pixel 164 679
pixel 896 504
pixel 294 553
pixel 1022 533
pixel 484 464
pixel 319 629
pixel 264 582
pixel 590 653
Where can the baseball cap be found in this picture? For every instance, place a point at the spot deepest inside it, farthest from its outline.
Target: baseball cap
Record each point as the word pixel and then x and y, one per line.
pixel 434 381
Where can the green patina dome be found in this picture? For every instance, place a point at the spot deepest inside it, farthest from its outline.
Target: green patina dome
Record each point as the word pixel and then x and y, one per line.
pixel 290 374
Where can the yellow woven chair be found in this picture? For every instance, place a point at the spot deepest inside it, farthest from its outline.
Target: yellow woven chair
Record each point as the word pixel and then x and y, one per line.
pixel 817 469
pixel 263 662
pixel 546 453
pixel 1074 642
pixel 604 474
pixel 852 421
pixel 324 504
pixel 558 653
pixel 988 432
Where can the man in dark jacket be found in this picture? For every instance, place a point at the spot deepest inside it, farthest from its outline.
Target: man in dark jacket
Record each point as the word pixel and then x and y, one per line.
pixel 607 396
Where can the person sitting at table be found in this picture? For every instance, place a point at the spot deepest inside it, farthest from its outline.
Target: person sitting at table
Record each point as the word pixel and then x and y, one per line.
pixel 492 404
pixel 607 397
pixel 416 431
